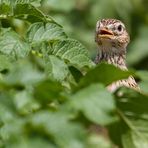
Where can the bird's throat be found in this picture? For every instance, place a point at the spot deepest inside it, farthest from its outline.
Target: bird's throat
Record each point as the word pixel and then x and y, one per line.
pixel 117 59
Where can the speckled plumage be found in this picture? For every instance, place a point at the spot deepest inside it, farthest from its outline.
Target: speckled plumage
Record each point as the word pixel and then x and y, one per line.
pixel 112 39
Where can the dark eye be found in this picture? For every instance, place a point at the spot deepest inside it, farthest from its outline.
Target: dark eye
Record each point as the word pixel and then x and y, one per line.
pixel 119 28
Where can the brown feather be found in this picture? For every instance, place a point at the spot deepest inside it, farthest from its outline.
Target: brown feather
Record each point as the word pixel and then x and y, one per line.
pixel 113 49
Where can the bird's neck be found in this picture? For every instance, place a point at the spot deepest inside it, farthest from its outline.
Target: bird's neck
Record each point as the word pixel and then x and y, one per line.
pixel 117 59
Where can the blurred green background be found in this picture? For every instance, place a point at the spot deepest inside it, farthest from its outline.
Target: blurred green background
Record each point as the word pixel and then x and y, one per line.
pixel 79 17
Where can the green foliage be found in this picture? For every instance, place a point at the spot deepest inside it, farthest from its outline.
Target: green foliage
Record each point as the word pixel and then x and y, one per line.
pixel 103 70
pixel 12 44
pixel 86 100
pixel 51 92
pixel 40 31
pixel 132 109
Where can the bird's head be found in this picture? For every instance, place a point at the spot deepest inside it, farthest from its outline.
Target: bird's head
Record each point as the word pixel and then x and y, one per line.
pixel 111 35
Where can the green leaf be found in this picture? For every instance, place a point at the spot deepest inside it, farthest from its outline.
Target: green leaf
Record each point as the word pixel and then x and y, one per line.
pixel 96 103
pixel 24 73
pixel 11 128
pixel 98 141
pixel 133 112
pixel 115 130
pixel 5 8
pixel 75 73
pixel 57 124
pixel 104 73
pixel 12 45
pixel 5 63
pixel 48 91
pixel 28 12
pixel 56 68
pixel 39 32
pixel 31 142
pixel 24 103
pixel 19 8
pixel 73 52
pixel 6 108
pixel 33 2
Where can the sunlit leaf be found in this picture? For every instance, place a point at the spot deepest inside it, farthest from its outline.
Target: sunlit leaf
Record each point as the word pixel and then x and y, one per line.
pixel 56 68
pixel 72 52
pixel 96 103
pixel 39 32
pixel 11 44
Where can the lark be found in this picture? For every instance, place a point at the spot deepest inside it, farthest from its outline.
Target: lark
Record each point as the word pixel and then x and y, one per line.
pixel 112 39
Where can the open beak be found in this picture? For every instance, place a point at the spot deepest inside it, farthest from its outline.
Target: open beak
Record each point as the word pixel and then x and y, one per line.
pixel 104 33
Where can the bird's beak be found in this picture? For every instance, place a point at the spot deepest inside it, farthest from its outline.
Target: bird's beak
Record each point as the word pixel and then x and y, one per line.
pixel 104 33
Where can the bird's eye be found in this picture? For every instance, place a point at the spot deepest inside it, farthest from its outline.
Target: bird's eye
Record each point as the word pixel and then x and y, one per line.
pixel 120 28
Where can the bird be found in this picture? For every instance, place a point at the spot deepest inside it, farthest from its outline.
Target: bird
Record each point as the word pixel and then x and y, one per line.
pixel 112 39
